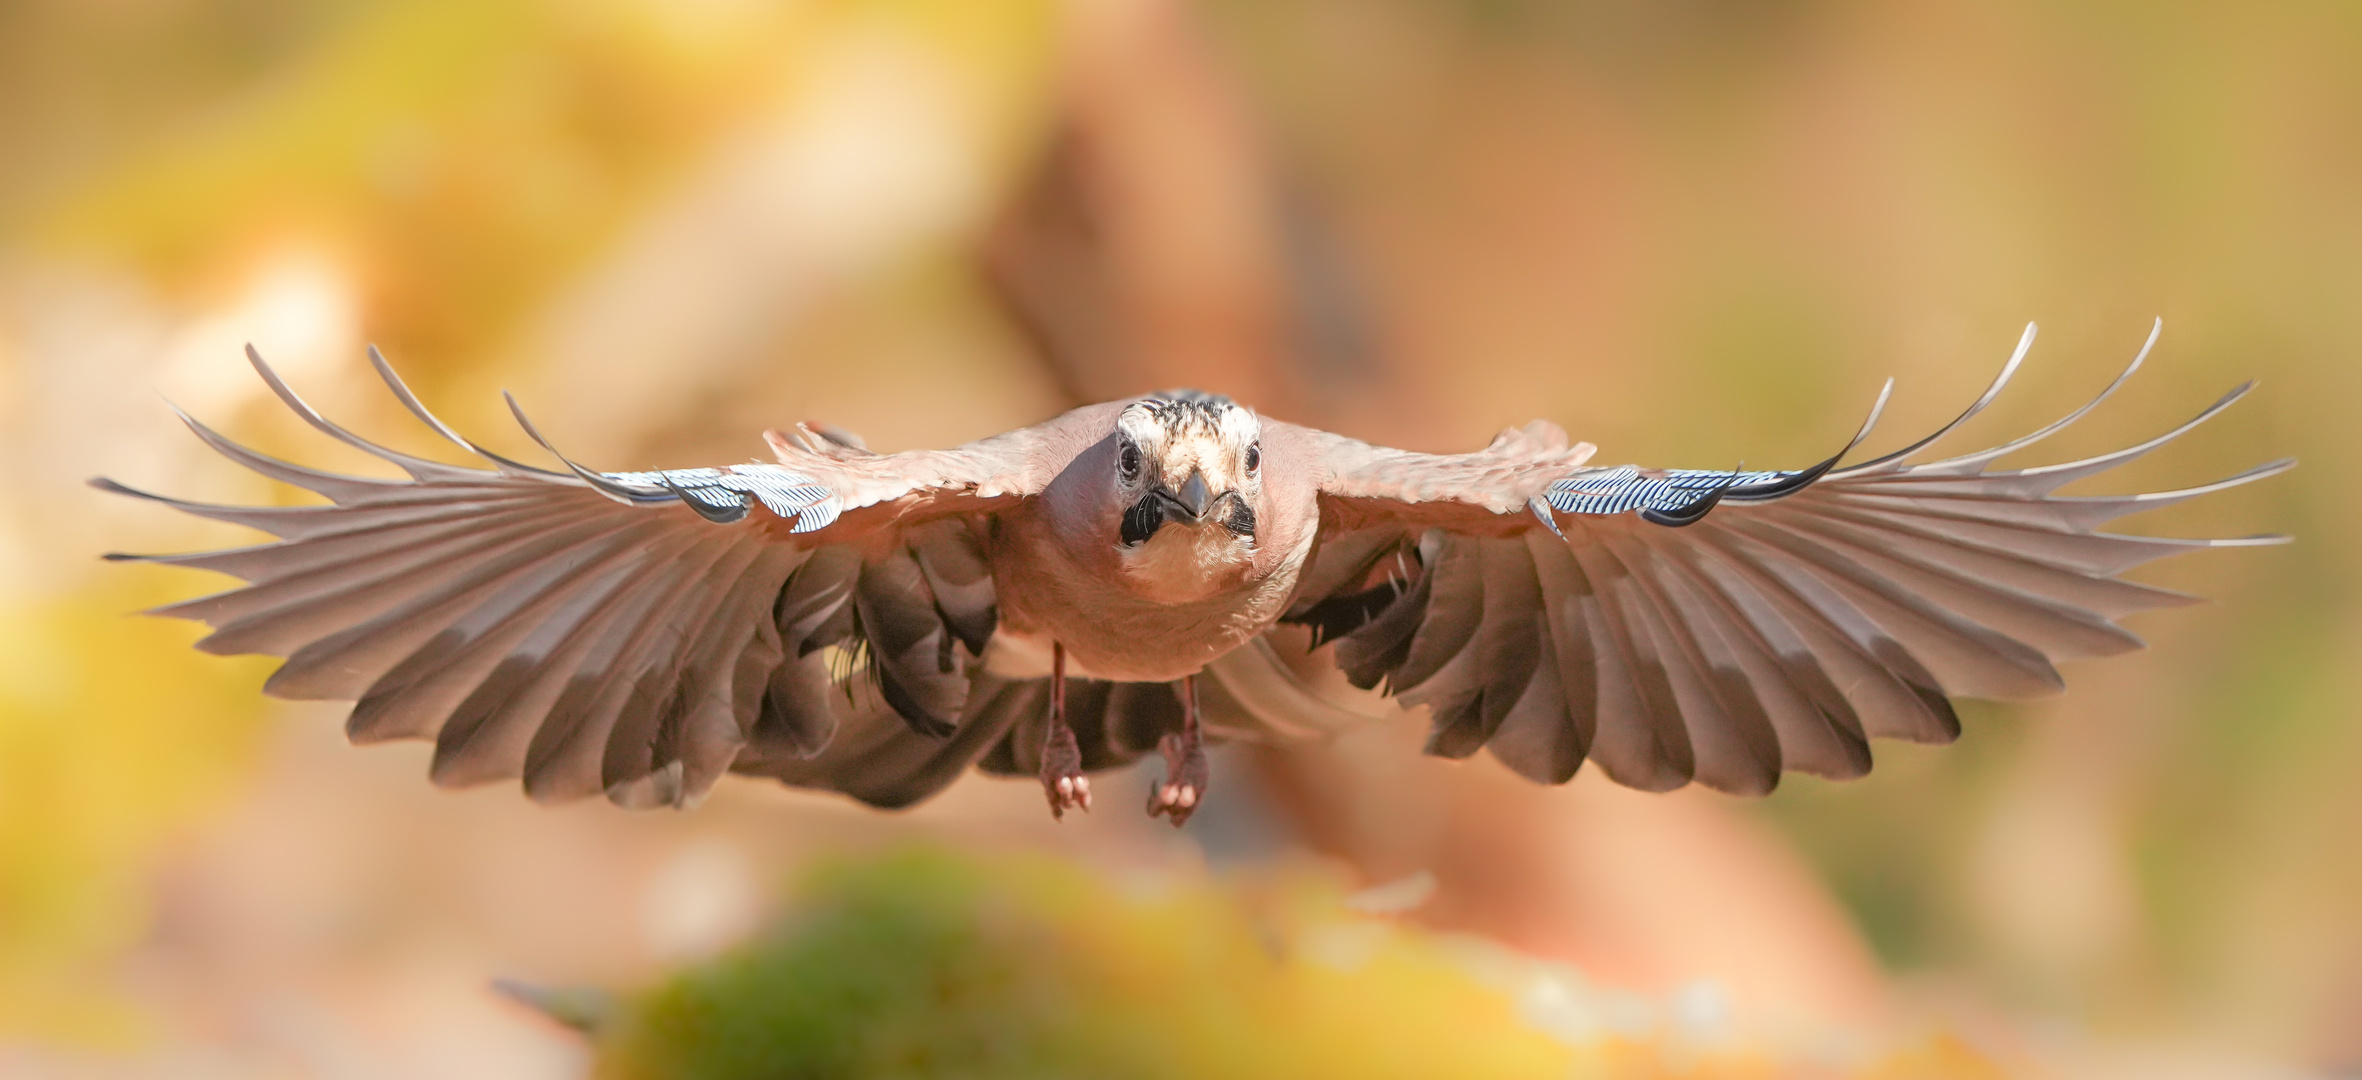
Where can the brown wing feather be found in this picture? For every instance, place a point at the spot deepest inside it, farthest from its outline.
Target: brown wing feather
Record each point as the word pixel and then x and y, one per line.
pixel 1795 616
pixel 628 634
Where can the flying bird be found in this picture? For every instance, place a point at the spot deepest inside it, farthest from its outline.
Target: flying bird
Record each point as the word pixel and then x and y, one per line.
pixel 1069 597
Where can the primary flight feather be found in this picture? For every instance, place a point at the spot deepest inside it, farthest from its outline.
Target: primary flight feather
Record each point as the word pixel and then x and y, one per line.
pixel 1068 597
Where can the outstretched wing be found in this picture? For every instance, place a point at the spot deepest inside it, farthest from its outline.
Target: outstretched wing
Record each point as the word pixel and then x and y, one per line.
pixel 1676 625
pixel 619 633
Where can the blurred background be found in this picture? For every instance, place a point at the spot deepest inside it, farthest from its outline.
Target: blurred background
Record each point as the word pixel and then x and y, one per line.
pixel 1695 232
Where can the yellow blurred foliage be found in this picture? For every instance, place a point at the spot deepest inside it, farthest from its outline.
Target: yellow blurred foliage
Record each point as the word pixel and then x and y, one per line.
pixel 113 735
pixel 456 160
pixel 461 157
pixel 925 963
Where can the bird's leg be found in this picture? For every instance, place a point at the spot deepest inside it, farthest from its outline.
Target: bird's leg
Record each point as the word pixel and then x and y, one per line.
pixel 1062 761
pixel 1185 764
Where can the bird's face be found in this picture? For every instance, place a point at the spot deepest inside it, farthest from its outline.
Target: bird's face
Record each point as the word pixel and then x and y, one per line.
pixel 1189 473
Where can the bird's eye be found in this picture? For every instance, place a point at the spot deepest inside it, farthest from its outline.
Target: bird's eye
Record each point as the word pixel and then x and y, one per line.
pixel 1254 457
pixel 1130 462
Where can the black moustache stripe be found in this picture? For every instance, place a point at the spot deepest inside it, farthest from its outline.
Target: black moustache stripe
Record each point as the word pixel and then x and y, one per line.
pixel 1143 520
pixel 1241 521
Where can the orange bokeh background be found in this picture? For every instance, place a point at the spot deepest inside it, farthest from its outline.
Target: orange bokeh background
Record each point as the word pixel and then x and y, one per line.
pixel 1697 233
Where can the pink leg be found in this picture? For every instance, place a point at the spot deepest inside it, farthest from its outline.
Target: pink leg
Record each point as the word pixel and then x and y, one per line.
pixel 1185 764
pixel 1063 781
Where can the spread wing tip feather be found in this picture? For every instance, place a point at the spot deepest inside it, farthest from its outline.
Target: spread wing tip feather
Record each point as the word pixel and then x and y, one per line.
pixel 1682 497
pixel 2102 462
pixel 1992 392
pixel 620 492
pixel 112 486
pixel 418 468
pixel 2062 423
pixel 402 393
pixel 2258 540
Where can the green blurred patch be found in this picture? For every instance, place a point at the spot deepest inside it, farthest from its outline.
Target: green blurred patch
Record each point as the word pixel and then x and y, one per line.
pixel 928 964
pixel 925 964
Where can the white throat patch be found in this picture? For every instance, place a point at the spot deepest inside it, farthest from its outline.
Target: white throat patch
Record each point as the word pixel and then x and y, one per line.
pixel 1183 564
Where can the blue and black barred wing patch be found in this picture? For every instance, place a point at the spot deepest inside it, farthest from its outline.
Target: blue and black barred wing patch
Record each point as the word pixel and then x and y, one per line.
pixel 724 495
pixel 720 495
pixel 1626 488
pixel 1679 497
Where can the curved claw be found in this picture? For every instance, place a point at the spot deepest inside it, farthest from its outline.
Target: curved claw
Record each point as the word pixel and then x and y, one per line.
pixel 1178 795
pixel 1067 792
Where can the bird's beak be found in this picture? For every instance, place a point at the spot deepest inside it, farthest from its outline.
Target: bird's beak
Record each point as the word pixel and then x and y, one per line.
pixel 1194 504
pixel 1192 497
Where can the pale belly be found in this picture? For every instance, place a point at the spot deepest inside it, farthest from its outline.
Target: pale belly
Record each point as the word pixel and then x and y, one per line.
pixel 1112 650
pixel 1111 631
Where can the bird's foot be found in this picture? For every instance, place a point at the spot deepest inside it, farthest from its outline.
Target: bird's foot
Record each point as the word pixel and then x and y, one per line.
pixel 1184 785
pixel 1063 781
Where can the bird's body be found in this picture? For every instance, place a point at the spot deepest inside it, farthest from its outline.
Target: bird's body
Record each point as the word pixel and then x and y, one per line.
pixel 1160 608
pixel 1067 597
pixel 1121 631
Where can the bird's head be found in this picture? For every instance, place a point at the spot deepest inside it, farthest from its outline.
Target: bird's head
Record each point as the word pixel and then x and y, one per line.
pixel 1189 472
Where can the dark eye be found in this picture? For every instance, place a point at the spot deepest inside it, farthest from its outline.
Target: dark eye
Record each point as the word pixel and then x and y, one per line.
pixel 1130 462
pixel 1254 457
